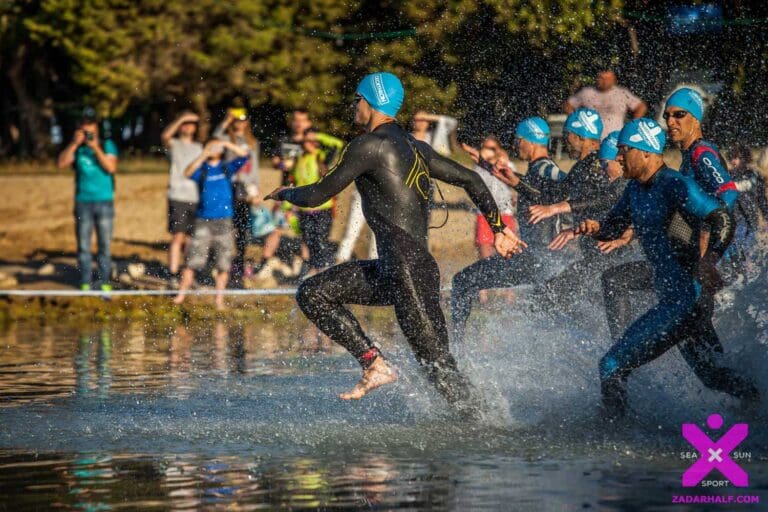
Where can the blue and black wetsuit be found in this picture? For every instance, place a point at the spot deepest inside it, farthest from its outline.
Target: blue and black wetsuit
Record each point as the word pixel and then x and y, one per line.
pixel 668 213
pixel 393 173
pixel 703 163
pixel 542 184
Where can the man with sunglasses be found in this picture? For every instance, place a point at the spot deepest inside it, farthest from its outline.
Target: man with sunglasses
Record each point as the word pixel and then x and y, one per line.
pixel 542 183
pixel 702 162
pixel 667 211
pixel 393 173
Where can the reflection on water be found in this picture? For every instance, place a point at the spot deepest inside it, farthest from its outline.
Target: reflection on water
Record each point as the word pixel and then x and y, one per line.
pixel 244 416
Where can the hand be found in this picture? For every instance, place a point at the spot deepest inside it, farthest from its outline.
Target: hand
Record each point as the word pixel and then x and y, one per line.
pixel 505 174
pixel 710 279
pixel 474 154
pixel 587 227
pixel 78 138
pixel 539 212
pixel 608 246
pixel 507 243
pixel 562 239
pixel 189 117
pixel 94 142
pixel 273 195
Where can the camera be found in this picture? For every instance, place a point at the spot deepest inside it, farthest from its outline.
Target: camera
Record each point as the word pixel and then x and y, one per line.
pixel 89 136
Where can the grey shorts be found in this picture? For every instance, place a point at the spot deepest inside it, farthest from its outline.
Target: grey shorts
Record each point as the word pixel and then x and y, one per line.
pixel 216 234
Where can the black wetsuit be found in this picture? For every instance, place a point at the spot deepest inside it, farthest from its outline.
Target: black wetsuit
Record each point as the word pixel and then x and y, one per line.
pixel 392 171
pixel 591 195
pixel 542 184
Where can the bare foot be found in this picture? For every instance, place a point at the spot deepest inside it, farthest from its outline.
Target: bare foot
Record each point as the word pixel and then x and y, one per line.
pixel 483 296
pixel 179 298
pixel 378 374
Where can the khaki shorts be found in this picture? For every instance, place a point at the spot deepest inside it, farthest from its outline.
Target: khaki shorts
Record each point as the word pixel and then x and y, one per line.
pixel 216 234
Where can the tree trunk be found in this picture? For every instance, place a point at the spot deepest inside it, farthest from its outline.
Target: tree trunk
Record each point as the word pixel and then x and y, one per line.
pixel 32 134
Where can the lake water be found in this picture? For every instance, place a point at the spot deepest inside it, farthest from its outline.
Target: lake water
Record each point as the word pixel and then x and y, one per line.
pixel 245 416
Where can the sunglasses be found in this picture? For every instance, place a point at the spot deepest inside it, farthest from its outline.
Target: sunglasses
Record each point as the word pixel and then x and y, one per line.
pixel 677 114
pixel 357 99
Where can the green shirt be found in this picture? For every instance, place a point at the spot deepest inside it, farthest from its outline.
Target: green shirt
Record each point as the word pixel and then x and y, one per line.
pixel 92 182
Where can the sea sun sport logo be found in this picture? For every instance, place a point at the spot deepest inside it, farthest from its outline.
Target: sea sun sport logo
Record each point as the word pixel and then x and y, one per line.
pixel 538 132
pixel 647 133
pixel 715 454
pixel 587 120
pixel 698 99
pixel 381 93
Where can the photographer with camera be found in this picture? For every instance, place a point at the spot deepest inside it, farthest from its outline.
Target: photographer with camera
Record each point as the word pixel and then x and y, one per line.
pixel 94 163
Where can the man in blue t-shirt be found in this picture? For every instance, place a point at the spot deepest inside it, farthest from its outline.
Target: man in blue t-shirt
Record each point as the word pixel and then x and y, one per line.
pixel 95 164
pixel 213 226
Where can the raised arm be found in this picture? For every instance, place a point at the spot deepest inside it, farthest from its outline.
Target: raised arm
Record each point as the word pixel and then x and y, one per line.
pixel 359 156
pixel 172 128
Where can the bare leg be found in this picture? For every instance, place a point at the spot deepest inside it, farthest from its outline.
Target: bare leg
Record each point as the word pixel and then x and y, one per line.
pixel 222 278
pixel 178 245
pixel 187 277
pixel 271 244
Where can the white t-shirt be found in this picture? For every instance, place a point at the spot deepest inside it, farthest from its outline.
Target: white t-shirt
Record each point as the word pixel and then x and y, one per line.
pixel 181 154
pixel 501 193
pixel 612 105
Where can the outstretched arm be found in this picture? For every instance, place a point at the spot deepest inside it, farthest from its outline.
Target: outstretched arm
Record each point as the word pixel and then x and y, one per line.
pixel 358 157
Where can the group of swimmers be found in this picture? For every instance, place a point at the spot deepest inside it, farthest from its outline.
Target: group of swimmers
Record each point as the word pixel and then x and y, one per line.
pixel 683 221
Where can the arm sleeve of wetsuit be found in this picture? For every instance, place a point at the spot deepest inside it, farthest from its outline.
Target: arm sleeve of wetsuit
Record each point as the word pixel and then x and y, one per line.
pixel 692 199
pixel 617 220
pixel 603 200
pixel 450 172
pixel 358 157
pixel 709 169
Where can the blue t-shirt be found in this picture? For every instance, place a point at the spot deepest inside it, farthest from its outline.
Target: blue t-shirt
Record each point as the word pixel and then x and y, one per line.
pixel 216 193
pixel 92 182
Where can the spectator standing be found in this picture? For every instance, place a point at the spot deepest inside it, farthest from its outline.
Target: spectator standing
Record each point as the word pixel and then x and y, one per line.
pixel 611 101
pixel 213 223
pixel 315 222
pixel 435 130
pixel 94 164
pixel 485 158
pixel 236 129
pixel 178 138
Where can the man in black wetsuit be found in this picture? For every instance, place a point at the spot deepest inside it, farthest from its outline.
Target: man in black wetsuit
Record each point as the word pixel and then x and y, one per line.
pixel 393 173
pixel 541 184
pixel 591 193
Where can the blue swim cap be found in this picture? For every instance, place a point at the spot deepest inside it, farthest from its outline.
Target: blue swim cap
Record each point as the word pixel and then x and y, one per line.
pixel 688 100
pixel 533 129
pixel 585 122
pixel 383 92
pixel 609 148
pixel 643 134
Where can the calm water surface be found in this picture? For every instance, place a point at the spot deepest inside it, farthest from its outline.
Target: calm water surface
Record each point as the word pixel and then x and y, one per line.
pixel 224 416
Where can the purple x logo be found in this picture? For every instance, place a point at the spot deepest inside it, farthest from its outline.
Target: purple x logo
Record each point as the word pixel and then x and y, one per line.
pixel 715 454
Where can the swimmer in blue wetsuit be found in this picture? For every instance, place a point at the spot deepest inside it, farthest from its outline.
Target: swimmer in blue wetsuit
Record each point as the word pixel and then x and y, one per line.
pixel 703 163
pixel 668 211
